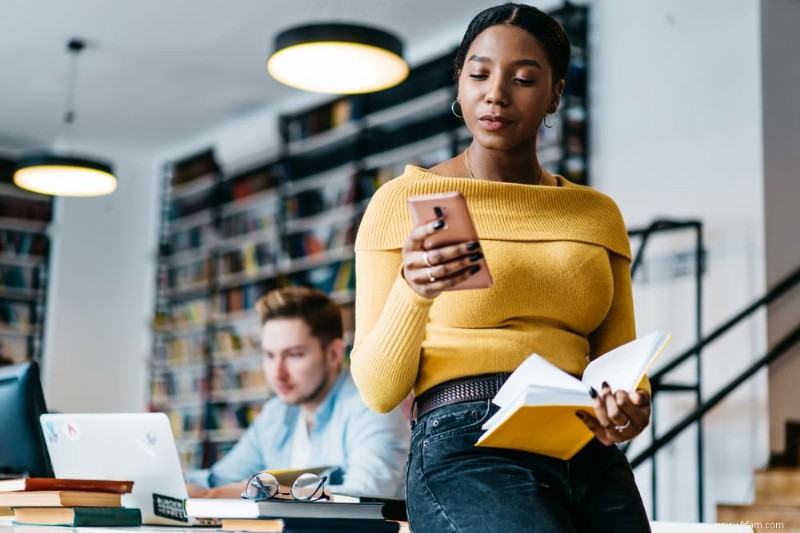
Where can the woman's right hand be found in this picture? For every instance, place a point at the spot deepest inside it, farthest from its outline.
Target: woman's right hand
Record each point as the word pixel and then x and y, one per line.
pixel 429 272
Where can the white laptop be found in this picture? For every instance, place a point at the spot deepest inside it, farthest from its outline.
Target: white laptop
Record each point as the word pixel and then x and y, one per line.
pixel 127 446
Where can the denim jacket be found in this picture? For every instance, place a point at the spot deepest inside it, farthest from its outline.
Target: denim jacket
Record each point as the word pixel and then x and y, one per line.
pixel 369 448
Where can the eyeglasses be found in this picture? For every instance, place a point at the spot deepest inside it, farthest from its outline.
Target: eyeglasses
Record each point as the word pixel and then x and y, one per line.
pixel 307 487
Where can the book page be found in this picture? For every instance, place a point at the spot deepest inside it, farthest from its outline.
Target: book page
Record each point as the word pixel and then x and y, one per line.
pixel 625 365
pixel 536 371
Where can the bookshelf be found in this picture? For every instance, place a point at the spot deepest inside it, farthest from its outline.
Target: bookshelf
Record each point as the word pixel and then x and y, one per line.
pixel 228 235
pixel 25 219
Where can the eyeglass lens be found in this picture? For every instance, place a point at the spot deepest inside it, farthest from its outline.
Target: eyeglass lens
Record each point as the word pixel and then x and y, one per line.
pixel 307 487
pixel 261 486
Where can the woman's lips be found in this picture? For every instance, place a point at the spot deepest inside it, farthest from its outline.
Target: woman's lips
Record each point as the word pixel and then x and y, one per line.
pixel 494 123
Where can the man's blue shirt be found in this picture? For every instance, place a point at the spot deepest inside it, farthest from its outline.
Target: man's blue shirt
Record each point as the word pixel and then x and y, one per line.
pixel 370 448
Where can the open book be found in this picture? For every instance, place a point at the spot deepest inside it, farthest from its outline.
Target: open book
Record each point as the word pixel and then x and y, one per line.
pixel 539 400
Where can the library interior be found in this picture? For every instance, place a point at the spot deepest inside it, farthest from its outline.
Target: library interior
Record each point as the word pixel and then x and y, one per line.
pixel 144 324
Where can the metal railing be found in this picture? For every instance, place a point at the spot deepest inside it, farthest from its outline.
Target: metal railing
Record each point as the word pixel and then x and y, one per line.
pixel 693 355
pixel 661 226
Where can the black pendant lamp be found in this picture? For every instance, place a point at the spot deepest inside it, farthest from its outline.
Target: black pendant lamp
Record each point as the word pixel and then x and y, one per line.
pixel 66 174
pixel 338 58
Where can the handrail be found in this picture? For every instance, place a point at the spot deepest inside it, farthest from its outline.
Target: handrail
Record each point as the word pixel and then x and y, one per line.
pixel 658 226
pixel 787 342
pixel 782 287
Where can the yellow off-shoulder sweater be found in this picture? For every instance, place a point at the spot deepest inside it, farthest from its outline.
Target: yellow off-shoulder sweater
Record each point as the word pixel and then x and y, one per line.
pixel 560 260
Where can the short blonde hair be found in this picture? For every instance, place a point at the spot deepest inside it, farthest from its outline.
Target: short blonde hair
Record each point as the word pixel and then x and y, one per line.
pixel 314 307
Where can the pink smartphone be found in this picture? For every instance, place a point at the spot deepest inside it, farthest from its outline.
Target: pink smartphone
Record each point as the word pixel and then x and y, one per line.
pixel 451 207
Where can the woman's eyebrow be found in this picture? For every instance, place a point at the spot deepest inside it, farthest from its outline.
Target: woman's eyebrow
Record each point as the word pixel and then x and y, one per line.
pixel 517 62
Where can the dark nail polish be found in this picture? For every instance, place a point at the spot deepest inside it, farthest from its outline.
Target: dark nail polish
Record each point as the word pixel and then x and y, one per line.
pixel 592 392
pixel 606 385
pixel 475 257
pixel 474 269
pixel 439 224
pixel 579 414
pixel 473 246
pixel 438 211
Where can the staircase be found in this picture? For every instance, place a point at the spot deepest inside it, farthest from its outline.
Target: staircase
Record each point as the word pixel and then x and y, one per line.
pixel 777 492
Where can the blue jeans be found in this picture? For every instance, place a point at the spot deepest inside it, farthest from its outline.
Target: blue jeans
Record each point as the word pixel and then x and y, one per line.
pixel 454 486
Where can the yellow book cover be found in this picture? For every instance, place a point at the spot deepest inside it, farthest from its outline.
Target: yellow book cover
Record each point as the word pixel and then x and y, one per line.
pixel 538 402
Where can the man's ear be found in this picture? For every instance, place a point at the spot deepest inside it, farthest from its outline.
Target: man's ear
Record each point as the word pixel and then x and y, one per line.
pixel 335 352
pixel 557 90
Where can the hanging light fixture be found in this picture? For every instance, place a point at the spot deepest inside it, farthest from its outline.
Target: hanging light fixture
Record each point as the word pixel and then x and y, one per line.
pixel 338 59
pixel 66 174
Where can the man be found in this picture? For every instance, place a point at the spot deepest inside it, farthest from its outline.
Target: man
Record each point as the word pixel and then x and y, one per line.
pixel 316 417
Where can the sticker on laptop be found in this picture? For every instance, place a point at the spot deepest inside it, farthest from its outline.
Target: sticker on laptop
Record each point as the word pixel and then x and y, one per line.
pixel 51 431
pixel 169 507
pixel 71 430
pixel 148 444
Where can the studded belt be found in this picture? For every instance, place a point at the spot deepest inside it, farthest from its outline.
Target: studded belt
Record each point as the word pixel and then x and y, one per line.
pixel 481 387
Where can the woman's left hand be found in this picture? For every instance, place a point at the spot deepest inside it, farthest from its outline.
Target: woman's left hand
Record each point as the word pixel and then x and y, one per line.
pixel 618 416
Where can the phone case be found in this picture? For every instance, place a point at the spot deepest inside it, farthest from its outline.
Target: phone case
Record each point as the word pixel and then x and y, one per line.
pixel 452 208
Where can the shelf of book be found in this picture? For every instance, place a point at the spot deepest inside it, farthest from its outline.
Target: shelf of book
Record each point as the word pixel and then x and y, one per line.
pixel 230 234
pixel 25 219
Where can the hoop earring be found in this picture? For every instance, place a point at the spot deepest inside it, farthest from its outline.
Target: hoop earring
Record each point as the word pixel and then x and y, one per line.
pixel 546 125
pixel 453 108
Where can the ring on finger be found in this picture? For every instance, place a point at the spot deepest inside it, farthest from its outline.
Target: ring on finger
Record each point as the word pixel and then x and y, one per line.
pixel 426 260
pixel 624 426
pixel 430 275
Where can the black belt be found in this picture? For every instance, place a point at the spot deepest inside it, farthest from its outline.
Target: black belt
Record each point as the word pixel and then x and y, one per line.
pixel 482 387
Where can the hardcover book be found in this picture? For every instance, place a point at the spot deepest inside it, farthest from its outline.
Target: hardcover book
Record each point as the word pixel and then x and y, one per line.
pixel 538 402
pixel 78 516
pixel 47 483
pixel 60 498
pixel 278 508
pixel 298 525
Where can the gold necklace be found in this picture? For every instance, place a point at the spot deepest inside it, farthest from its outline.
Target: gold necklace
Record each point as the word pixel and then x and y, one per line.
pixel 471 175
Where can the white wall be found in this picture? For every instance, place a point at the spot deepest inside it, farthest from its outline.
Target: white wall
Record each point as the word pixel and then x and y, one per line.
pixel 100 299
pixel 676 132
pixel 781 80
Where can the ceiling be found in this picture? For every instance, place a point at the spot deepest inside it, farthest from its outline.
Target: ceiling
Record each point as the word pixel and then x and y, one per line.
pixel 158 72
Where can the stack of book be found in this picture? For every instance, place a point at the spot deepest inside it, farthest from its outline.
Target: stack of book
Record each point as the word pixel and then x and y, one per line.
pixel 342 514
pixel 68 502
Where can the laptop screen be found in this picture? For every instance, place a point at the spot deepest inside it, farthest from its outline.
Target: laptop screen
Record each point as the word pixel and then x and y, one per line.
pixel 22 447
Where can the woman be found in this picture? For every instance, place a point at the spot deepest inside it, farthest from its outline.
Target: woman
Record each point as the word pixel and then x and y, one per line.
pixel 560 259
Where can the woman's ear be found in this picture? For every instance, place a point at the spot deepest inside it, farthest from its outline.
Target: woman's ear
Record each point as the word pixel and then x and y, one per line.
pixel 557 90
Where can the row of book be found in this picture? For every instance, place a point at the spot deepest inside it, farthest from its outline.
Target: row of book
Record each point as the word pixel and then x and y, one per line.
pixel 195 272
pixel 15 314
pixel 250 258
pixel 179 351
pixel 18 243
pixel 191 238
pixel 310 202
pixel 238 378
pixel 186 383
pixel 322 118
pixel 26 209
pixel 16 277
pixel 233 342
pixel 248 222
pixel 332 278
pixel 227 345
